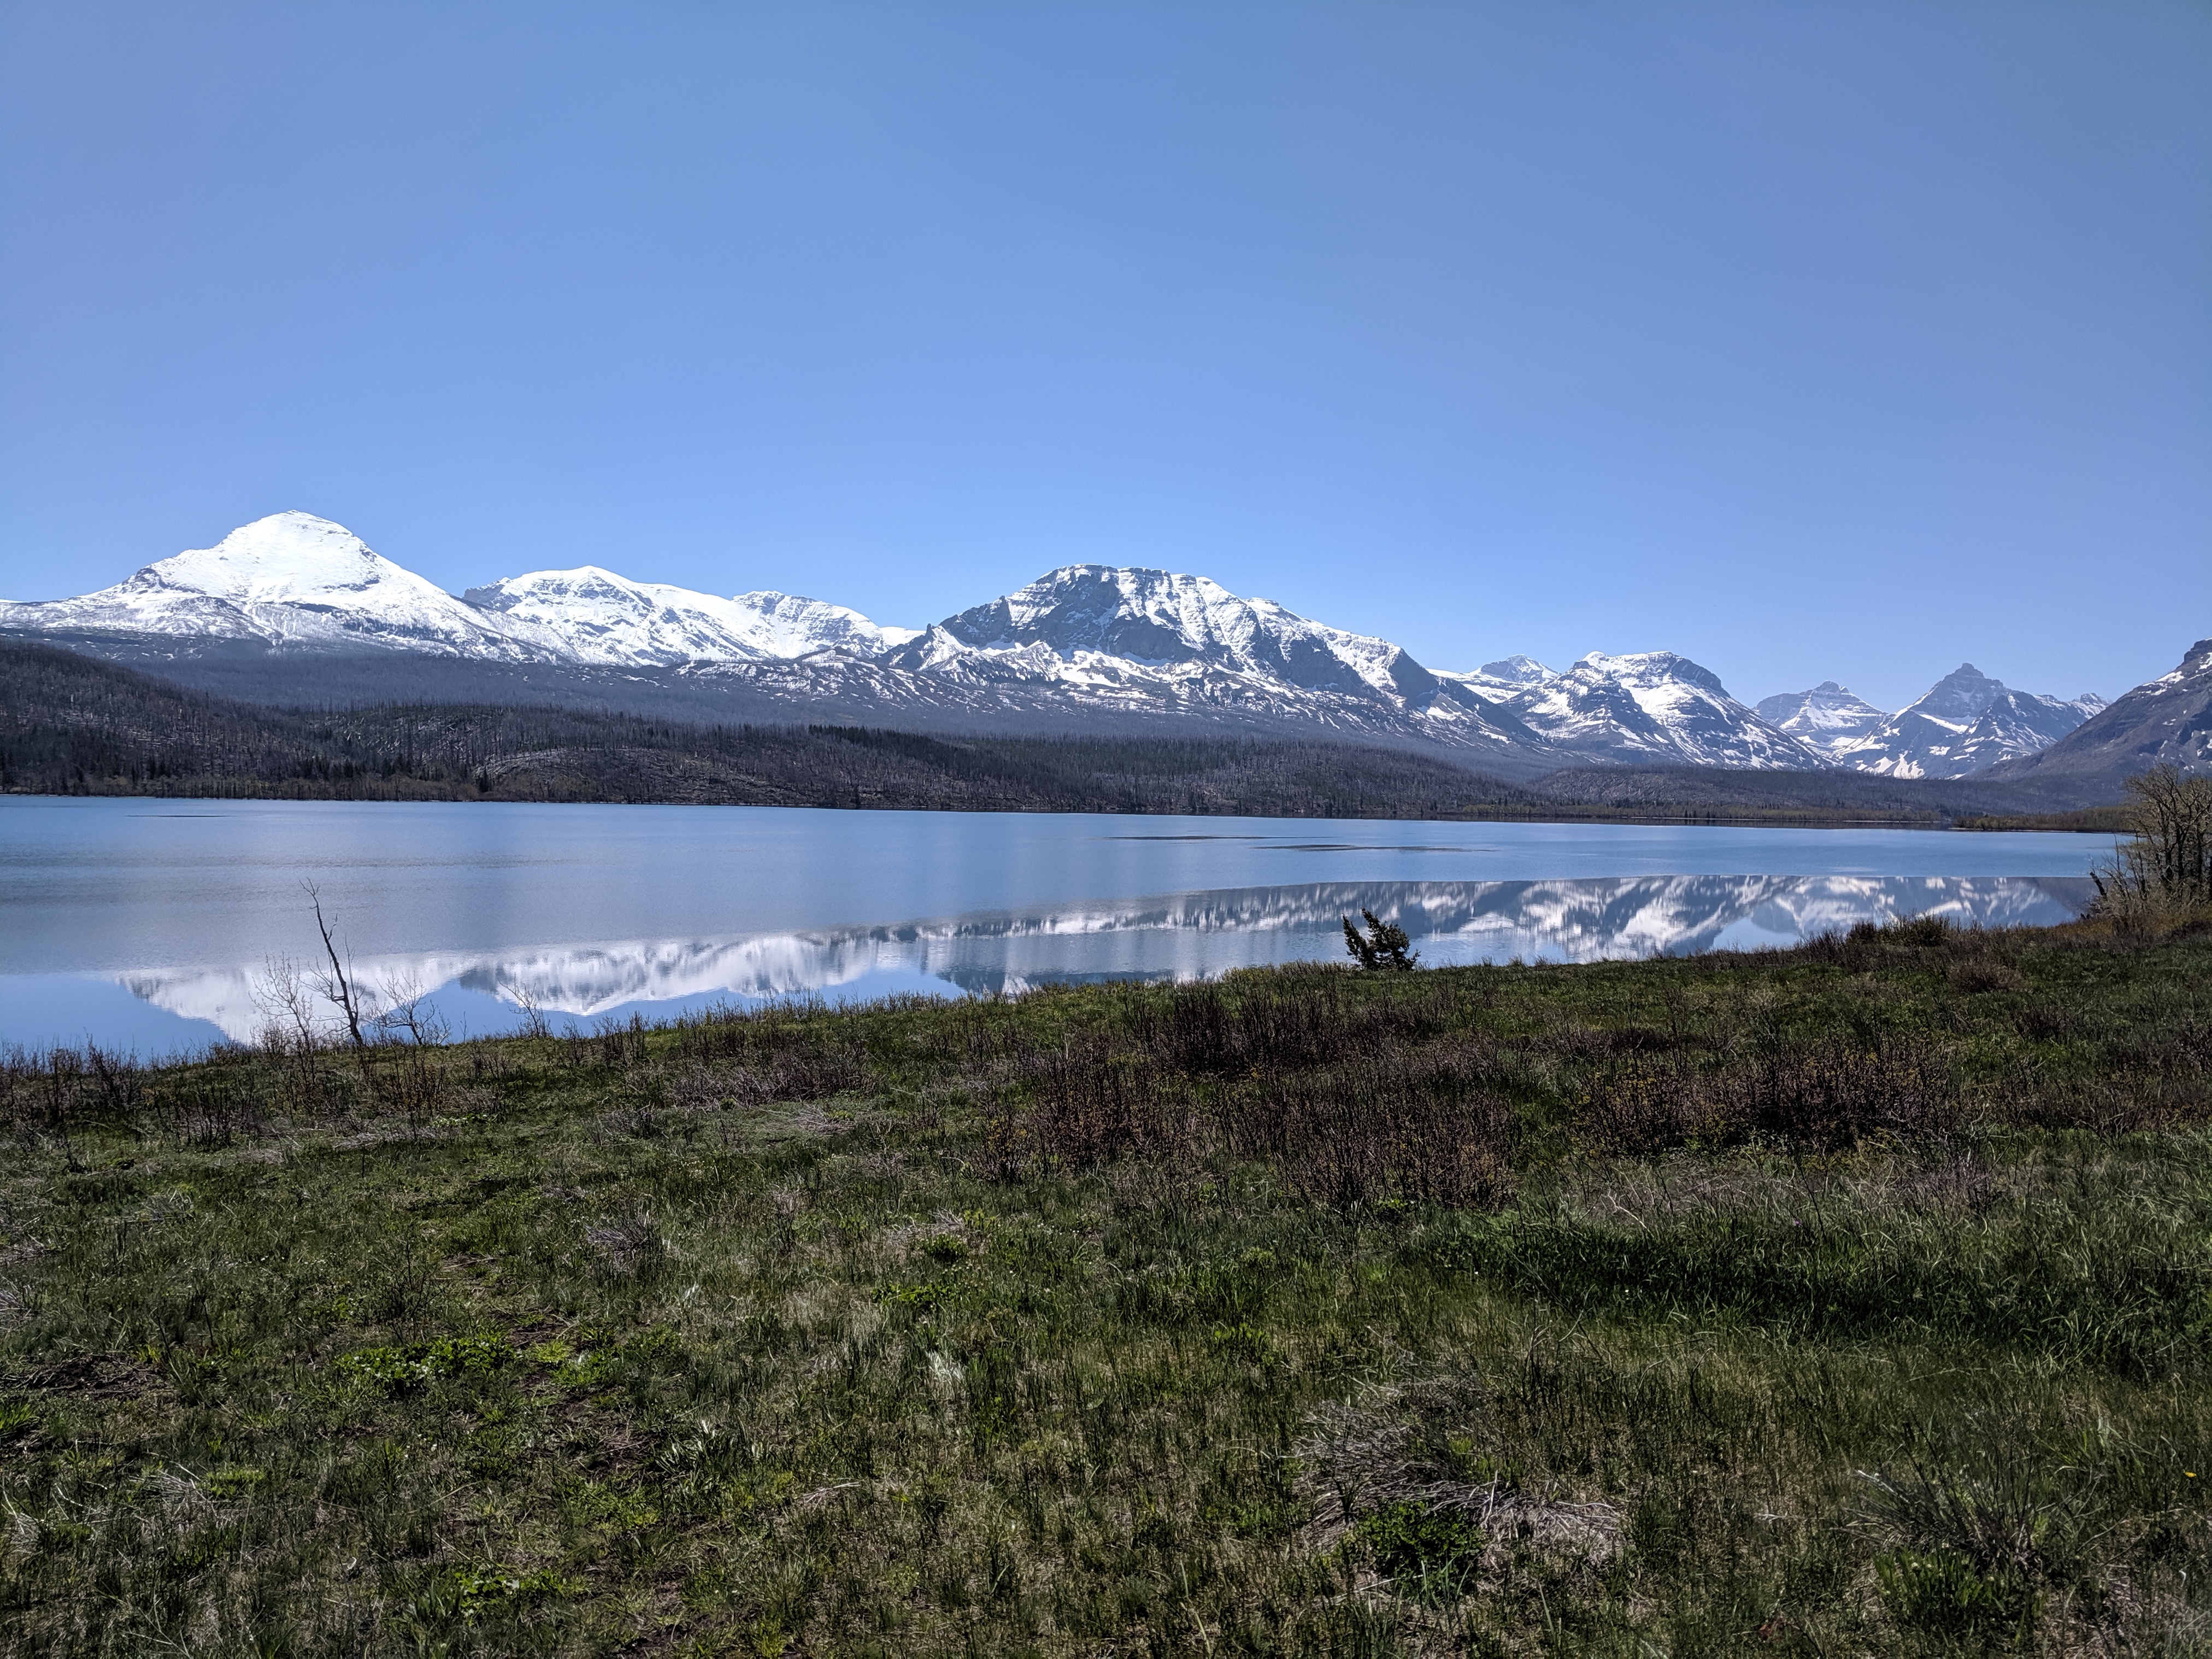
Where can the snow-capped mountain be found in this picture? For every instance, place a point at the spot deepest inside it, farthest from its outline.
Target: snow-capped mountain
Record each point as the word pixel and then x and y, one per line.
pixel 793 627
pixel 1083 619
pixel 294 582
pixel 289 581
pixel 1501 680
pixel 1826 717
pixel 1963 723
pixel 1081 644
pixel 2019 723
pixel 1105 636
pixel 601 617
pixel 1653 709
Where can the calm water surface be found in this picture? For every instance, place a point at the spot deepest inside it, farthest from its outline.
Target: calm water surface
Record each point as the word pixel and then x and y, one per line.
pixel 149 924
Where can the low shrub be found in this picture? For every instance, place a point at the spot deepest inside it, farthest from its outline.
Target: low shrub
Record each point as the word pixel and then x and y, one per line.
pixel 399 1369
pixel 1424 1127
pixel 1091 1105
pixel 1823 1094
pixel 1426 1552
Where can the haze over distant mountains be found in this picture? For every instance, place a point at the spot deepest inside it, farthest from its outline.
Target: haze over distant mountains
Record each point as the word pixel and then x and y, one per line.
pixel 1083 645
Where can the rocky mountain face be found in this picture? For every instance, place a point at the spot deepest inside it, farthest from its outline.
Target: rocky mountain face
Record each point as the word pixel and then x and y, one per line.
pixel 1963 723
pixel 2166 720
pixel 1654 707
pixel 1082 645
pixel 1501 680
pixel 1087 619
pixel 1102 636
pixel 1826 717
pixel 598 617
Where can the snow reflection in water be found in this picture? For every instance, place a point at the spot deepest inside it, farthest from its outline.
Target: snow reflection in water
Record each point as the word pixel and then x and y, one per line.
pixel 1183 937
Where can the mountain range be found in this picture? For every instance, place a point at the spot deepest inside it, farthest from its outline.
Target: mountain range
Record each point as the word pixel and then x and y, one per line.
pixel 1082 647
pixel 1965 723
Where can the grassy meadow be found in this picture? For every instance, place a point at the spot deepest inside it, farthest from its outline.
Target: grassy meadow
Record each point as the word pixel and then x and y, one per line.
pixel 1854 1299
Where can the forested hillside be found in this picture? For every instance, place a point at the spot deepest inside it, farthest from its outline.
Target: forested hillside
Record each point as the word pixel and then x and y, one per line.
pixel 73 724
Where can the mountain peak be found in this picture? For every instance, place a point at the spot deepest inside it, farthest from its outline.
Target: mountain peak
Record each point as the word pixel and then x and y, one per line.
pixel 1652 668
pixel 2166 719
pixel 292 582
pixel 1654 707
pixel 1517 670
pixel 1164 620
pixel 1496 682
pixel 280 558
pixel 1828 716
pixel 1959 699
pixel 1966 722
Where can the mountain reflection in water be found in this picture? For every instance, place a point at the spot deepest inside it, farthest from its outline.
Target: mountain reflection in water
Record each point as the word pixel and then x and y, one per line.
pixel 1180 937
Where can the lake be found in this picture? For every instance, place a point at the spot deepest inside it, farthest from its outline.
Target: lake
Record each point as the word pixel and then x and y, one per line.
pixel 150 924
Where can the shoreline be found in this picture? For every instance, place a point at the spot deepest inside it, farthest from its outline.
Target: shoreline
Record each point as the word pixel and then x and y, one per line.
pixel 2092 820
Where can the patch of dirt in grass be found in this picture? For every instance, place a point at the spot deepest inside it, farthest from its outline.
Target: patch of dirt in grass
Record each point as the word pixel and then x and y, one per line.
pixel 1361 1461
pixel 946 1238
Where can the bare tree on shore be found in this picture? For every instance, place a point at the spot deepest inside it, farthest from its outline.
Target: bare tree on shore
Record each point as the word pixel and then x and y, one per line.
pixel 288 1002
pixel 408 1010
pixel 2166 867
pixel 340 987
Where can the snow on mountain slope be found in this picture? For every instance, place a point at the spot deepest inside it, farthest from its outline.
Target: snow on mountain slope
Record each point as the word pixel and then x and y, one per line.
pixel 601 617
pixel 1825 717
pixel 1965 723
pixel 980 691
pixel 1654 708
pixel 1154 641
pixel 2019 723
pixel 1497 681
pixel 1079 643
pixel 291 581
pixel 789 625
pixel 1083 614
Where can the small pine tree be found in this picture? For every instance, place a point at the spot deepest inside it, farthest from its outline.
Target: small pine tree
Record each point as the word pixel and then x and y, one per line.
pixel 1384 948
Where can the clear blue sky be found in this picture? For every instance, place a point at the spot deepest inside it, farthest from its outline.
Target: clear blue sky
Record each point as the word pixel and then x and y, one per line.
pixel 1811 340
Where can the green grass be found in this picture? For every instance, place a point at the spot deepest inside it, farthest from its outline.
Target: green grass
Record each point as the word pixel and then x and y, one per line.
pixel 1850 1300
